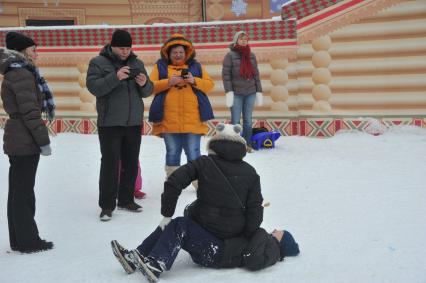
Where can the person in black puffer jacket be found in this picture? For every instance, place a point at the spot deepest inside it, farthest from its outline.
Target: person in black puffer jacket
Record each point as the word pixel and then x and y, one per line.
pixel 229 198
pixel 25 97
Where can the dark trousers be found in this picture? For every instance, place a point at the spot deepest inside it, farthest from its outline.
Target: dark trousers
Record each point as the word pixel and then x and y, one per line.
pixel 23 232
pixel 118 143
pixel 182 233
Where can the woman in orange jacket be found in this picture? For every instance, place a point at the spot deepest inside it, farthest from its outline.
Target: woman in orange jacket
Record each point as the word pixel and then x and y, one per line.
pixel 180 107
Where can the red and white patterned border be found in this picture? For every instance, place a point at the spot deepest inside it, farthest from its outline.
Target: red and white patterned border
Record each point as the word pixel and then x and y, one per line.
pixel 80 37
pixel 317 127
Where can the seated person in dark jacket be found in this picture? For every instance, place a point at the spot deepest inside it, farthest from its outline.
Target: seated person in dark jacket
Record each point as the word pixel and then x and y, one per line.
pixel 160 249
pixel 229 198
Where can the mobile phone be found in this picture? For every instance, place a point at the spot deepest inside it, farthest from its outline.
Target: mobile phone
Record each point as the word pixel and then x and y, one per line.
pixel 133 72
pixel 184 73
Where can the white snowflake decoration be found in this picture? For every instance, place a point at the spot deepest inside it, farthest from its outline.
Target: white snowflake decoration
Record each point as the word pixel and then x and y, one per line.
pixel 239 7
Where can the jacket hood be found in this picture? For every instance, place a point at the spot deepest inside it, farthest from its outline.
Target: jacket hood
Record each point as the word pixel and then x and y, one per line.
pixel 235 39
pixel 8 57
pixel 236 36
pixel 178 39
pixel 226 149
pixel 227 142
pixel 106 51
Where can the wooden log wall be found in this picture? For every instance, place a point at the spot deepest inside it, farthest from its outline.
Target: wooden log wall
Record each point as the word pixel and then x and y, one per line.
pixel 375 65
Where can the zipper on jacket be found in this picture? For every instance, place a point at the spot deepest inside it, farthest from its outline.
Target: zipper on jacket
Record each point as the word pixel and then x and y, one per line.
pixel 106 108
pixel 130 104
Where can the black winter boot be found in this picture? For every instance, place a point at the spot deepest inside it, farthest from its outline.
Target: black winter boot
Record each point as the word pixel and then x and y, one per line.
pixel 41 246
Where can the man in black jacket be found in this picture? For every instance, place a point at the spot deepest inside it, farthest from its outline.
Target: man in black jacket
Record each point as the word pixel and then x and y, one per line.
pixel 229 198
pixel 160 249
pixel 119 81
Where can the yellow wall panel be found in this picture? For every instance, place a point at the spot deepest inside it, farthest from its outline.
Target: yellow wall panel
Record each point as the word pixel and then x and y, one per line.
pixel 98 20
pixel 108 10
pixel 9 21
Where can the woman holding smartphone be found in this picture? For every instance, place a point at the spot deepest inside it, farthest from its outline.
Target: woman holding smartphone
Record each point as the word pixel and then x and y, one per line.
pixel 180 107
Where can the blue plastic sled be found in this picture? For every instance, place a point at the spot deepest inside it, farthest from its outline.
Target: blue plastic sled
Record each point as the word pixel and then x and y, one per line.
pixel 264 140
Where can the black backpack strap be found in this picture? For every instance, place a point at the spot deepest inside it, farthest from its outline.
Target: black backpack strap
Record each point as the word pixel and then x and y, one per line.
pixel 231 188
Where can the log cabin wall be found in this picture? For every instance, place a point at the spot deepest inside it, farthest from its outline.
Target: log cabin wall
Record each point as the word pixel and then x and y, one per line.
pixel 363 59
pixel 375 66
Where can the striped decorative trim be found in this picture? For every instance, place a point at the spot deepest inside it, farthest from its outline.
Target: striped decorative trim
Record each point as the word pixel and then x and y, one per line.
pixel 317 127
pixel 302 8
pixel 155 35
pixel 319 17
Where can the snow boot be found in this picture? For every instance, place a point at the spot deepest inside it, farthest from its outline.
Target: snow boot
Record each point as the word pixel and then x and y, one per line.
pixel 169 170
pixel 195 184
pixel 123 256
pixel 41 246
pixel 139 194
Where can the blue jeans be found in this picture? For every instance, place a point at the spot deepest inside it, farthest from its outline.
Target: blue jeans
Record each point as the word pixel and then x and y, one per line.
pixel 190 143
pixel 182 233
pixel 243 104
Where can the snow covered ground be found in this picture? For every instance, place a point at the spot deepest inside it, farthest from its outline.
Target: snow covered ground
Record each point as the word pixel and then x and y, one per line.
pixel 356 204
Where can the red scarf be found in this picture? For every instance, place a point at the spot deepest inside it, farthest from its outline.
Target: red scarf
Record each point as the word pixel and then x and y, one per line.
pixel 246 68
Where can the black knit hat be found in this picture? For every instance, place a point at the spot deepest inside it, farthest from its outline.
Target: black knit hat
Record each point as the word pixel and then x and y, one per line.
pixel 121 38
pixel 288 246
pixel 18 41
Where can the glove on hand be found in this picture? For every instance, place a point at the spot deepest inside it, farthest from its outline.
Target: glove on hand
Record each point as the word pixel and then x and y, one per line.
pixel 259 99
pixel 164 222
pixel 229 98
pixel 46 150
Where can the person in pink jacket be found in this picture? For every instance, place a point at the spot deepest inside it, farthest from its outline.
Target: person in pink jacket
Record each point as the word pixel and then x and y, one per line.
pixel 138 183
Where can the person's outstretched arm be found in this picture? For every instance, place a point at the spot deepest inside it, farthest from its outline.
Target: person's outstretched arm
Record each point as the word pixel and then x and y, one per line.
pixel 173 186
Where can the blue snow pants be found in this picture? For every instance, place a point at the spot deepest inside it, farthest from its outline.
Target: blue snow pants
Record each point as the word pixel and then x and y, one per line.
pixel 182 233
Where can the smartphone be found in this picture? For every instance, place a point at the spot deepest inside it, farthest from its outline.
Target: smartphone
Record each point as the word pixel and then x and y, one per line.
pixel 133 72
pixel 184 73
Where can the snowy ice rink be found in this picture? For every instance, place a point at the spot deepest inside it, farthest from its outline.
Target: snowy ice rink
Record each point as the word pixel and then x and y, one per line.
pixel 356 204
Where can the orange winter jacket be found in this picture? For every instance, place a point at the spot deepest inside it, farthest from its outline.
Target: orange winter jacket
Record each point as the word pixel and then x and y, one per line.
pixel 181 114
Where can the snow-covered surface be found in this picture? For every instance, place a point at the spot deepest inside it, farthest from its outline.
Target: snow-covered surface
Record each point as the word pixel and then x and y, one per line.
pixel 356 203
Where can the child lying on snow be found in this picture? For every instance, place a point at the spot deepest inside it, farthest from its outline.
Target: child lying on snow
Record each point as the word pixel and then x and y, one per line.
pixel 160 249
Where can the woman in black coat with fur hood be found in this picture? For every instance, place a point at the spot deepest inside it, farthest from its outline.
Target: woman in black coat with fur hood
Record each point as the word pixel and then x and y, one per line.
pixel 229 198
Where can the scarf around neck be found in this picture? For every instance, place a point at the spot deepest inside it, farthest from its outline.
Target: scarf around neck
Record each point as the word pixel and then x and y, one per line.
pixel 247 70
pixel 48 105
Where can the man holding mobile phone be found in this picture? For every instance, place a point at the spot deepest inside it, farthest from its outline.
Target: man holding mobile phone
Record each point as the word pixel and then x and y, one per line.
pixel 119 81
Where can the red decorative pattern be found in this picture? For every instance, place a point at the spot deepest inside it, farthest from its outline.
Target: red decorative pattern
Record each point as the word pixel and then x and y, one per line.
pixel 318 127
pixel 303 8
pixel 154 35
